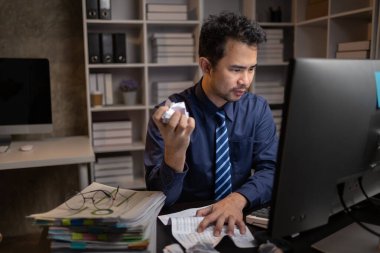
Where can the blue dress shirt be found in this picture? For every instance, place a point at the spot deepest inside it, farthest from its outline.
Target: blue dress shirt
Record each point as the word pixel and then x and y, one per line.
pixel 252 141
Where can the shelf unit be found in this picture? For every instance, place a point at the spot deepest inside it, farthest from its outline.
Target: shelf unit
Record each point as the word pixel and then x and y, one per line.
pixel 128 17
pixel 339 21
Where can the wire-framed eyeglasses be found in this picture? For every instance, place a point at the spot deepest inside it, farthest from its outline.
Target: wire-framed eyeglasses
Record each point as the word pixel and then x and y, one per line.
pixel 100 199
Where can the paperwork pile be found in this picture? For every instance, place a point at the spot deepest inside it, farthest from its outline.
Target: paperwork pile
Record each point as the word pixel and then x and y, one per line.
pixel 127 225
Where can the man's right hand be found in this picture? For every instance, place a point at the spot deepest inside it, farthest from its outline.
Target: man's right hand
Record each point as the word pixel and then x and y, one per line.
pixel 176 134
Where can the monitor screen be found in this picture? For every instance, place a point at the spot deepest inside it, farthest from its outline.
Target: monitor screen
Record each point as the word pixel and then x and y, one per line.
pixel 329 135
pixel 25 102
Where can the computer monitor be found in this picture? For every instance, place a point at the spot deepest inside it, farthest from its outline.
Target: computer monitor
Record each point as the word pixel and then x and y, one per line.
pixel 329 135
pixel 25 101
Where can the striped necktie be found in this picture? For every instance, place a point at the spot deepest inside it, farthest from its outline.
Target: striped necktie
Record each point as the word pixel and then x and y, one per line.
pixel 222 158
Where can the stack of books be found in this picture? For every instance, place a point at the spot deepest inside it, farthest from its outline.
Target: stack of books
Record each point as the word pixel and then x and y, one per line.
pixel 127 225
pixel 114 170
pixel 173 48
pixel 272 91
pixel 272 51
pixel 166 12
pixel 162 90
pixel 353 50
pixel 109 134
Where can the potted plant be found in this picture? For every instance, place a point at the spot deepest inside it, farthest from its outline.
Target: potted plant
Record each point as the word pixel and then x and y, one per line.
pixel 129 89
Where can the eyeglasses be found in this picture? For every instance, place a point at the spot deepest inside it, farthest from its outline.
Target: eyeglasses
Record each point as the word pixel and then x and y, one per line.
pixel 101 199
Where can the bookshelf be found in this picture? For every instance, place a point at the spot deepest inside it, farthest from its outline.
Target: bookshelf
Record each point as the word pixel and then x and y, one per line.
pixel 302 36
pixel 318 32
pixel 130 17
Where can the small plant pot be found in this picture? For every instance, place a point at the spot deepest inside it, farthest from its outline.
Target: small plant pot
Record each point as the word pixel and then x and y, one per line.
pixel 130 97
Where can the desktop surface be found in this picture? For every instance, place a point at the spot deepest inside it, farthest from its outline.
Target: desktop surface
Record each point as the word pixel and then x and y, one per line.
pixel 38 243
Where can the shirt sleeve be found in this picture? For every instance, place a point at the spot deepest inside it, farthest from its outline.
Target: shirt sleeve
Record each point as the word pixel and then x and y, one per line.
pixel 258 188
pixel 158 175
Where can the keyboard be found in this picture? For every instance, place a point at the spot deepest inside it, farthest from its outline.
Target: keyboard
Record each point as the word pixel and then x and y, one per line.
pixel 259 217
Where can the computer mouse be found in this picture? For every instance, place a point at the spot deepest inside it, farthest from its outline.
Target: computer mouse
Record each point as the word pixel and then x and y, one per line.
pixel 26 147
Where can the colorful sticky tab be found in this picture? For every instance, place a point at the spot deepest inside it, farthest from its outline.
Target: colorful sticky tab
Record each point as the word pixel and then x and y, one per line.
pixel 77 245
pixel 377 79
pixel 88 222
pixel 76 236
pixel 66 222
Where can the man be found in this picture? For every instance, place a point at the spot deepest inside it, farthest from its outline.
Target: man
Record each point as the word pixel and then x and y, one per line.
pixel 180 156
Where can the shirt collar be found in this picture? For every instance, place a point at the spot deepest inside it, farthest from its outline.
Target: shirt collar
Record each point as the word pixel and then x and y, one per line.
pixel 209 106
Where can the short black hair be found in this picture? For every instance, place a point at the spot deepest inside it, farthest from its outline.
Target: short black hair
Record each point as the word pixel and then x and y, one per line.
pixel 217 29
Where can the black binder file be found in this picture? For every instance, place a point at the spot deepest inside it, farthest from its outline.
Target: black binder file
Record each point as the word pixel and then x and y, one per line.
pixel 119 49
pixel 105 9
pixel 92 9
pixel 93 48
pixel 107 48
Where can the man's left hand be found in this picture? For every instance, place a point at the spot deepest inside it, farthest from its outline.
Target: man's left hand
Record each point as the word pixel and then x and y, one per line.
pixel 226 211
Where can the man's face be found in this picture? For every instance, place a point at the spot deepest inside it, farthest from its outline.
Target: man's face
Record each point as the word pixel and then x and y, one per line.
pixel 233 74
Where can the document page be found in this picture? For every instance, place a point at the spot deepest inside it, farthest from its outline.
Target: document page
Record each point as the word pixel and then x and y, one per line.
pixel 184 230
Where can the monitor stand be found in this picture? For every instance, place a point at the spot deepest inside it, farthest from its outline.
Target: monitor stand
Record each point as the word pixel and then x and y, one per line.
pixel 351 239
pixel 5 142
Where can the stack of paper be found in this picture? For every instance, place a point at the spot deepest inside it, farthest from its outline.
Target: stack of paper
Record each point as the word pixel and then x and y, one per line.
pixel 114 170
pixel 128 225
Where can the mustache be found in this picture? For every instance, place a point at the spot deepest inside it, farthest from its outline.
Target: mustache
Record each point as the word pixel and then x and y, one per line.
pixel 241 87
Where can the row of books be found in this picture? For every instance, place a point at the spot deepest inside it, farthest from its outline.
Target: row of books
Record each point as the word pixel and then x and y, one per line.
pixel 114 170
pixel 353 50
pixel 173 48
pixel 121 220
pixel 166 12
pixel 162 90
pixel 272 50
pixel 109 134
pixel 272 91
pixel 107 48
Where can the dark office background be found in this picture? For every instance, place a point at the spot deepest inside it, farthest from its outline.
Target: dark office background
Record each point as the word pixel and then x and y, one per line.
pixel 45 29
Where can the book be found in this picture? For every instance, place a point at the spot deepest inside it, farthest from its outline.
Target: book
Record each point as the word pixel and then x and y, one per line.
pixel 172 35
pixel 179 49
pixel 269 90
pixel 99 134
pixel 92 82
pixel 112 125
pixel 166 16
pixel 108 89
pixel 166 8
pixel 115 180
pixel 113 172
pixel 267 83
pixel 173 41
pixel 100 85
pixel 174 60
pixel 173 85
pixel 354 45
pixel 114 159
pixel 113 165
pixel 362 54
pixel 112 141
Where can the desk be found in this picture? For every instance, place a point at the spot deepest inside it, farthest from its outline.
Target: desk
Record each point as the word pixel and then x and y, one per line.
pixel 39 244
pixel 363 211
pixel 51 152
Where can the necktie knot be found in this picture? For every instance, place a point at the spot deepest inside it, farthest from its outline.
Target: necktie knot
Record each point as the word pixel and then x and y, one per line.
pixel 220 117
